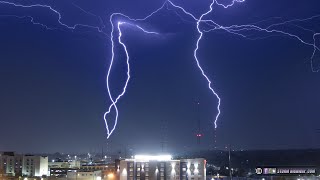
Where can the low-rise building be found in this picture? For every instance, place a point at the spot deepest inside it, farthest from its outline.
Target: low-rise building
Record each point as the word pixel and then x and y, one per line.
pixel 102 167
pixel 84 175
pixel 61 172
pixel 64 164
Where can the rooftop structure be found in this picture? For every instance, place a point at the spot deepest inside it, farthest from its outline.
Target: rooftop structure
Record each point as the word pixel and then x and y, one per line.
pixel 161 167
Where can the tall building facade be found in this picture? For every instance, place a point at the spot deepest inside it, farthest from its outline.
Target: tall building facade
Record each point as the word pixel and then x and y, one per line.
pixel 35 165
pixel 13 164
pixel 162 168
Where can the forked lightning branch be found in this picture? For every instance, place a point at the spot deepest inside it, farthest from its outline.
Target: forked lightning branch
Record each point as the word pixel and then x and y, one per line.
pixel 253 31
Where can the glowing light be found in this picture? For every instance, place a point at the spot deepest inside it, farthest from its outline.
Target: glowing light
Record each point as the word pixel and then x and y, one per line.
pixel 124 171
pixel 111 175
pixel 153 158
pixel 173 166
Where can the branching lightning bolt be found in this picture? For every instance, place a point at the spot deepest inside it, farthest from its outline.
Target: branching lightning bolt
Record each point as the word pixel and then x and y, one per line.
pixel 54 11
pixel 114 102
pixel 248 31
pixel 198 63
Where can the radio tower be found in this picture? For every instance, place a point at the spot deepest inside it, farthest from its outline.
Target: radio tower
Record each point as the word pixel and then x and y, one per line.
pixel 198 134
pixel 214 139
pixel 164 129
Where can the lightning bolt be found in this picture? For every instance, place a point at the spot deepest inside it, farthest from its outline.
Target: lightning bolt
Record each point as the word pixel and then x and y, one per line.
pixel 252 31
pixel 199 66
pixel 114 102
pixel 50 8
pixel 234 29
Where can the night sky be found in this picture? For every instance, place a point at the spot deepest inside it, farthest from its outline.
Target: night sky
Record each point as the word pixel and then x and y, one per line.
pixel 53 82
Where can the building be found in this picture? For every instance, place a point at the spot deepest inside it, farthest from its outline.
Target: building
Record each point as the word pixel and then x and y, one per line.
pixel 35 166
pixel 61 172
pixel 13 164
pixel 162 168
pixel 108 171
pixel 103 167
pixel 84 175
pixel 64 164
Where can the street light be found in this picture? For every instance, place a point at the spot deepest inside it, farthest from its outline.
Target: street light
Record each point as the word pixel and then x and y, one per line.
pixel 110 176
